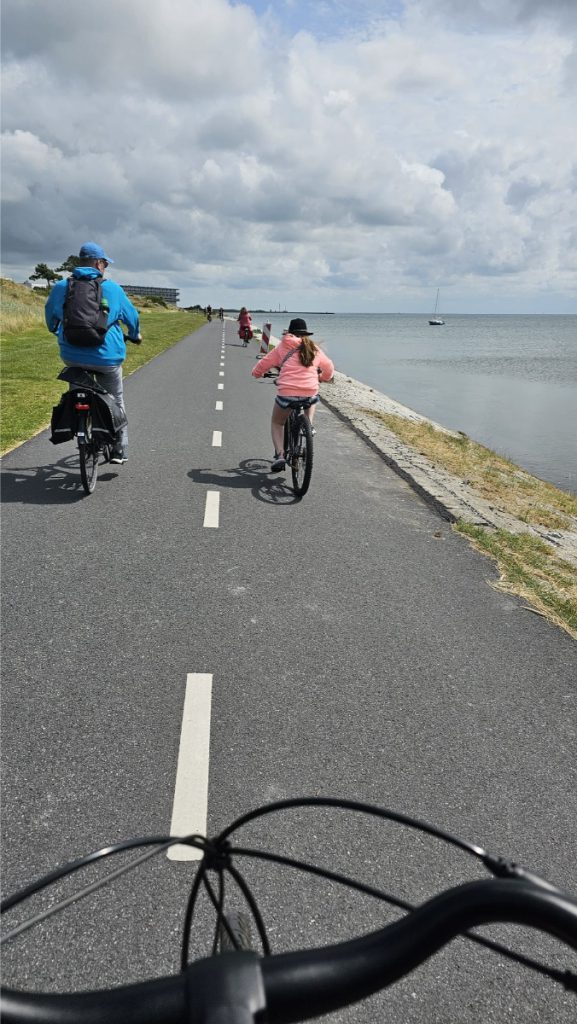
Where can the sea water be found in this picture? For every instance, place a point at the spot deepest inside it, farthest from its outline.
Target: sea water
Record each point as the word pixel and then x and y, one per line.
pixel 509 382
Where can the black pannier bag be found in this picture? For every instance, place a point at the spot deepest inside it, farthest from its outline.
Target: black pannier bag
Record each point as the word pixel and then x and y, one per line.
pixel 85 320
pixel 63 421
pixel 107 416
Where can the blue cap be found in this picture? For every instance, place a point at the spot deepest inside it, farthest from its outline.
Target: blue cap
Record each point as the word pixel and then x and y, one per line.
pixel 92 251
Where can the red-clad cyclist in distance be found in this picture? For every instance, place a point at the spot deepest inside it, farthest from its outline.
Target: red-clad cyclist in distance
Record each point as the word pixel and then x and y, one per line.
pixel 244 321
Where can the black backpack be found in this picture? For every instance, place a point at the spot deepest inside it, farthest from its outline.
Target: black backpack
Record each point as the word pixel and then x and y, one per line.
pixel 85 319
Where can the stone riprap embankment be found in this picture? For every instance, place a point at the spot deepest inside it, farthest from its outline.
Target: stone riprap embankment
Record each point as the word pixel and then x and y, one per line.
pixel 455 499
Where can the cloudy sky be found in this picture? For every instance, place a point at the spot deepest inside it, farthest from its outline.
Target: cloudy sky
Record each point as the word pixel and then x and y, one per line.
pixel 346 155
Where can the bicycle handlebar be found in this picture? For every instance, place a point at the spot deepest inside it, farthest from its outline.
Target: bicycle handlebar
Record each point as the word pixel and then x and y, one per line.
pixel 301 985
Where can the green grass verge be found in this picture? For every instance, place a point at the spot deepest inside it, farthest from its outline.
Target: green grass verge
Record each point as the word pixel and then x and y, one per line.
pixel 31 363
pixel 530 569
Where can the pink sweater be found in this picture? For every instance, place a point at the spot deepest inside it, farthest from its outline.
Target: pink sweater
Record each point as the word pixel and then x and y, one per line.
pixel 294 378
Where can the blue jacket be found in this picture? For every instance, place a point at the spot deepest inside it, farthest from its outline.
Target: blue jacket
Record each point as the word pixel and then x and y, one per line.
pixel 112 351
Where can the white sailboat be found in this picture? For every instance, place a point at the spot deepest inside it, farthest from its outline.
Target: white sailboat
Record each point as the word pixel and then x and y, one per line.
pixel 435 320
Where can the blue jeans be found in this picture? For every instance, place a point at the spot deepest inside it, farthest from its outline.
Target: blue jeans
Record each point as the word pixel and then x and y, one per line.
pixel 110 378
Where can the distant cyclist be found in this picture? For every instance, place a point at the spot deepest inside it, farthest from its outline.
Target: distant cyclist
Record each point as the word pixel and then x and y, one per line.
pixel 104 360
pixel 221 313
pixel 301 366
pixel 244 320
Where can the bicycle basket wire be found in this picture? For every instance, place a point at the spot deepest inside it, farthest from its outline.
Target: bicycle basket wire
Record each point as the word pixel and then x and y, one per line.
pixel 218 854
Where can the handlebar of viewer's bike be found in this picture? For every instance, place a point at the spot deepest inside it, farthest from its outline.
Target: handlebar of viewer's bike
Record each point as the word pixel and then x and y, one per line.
pixel 241 987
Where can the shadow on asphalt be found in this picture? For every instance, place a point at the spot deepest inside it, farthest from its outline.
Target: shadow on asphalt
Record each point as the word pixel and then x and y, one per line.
pixel 254 475
pixel 58 484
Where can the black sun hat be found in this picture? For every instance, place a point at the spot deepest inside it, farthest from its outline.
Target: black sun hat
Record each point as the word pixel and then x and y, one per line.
pixel 298 327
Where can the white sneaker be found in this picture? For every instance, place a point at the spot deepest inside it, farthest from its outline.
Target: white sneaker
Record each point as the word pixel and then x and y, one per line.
pixel 119 456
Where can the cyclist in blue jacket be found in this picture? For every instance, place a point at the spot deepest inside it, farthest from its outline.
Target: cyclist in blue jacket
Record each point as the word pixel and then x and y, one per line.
pixel 104 361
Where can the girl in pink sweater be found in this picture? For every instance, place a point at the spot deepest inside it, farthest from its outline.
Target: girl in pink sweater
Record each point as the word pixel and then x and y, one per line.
pixel 301 366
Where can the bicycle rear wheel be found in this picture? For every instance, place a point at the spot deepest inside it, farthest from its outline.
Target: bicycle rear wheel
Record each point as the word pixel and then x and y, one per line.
pixel 301 456
pixel 88 454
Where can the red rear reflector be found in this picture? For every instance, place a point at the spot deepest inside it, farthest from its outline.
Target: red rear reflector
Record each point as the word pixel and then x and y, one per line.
pixel 80 407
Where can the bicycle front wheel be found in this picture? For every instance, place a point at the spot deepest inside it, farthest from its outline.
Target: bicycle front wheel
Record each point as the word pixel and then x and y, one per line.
pixel 88 455
pixel 301 461
pixel 238 935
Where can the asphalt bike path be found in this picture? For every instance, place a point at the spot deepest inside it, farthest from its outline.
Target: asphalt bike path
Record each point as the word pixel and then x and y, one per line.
pixel 346 644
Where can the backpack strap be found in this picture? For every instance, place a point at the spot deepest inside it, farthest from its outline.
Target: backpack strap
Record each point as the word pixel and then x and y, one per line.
pixel 293 352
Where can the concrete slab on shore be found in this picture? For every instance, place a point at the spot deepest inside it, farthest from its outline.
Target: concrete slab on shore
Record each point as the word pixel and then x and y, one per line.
pixel 453 498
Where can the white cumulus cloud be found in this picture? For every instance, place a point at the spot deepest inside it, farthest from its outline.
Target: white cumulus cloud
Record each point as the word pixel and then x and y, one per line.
pixel 351 160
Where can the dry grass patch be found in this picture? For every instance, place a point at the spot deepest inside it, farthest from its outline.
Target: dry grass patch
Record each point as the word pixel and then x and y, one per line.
pixel 21 307
pixel 530 569
pixel 528 566
pixel 503 484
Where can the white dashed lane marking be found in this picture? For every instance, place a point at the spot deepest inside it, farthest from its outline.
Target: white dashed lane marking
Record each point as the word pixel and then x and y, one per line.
pixel 217 439
pixel 219 406
pixel 211 510
pixel 189 810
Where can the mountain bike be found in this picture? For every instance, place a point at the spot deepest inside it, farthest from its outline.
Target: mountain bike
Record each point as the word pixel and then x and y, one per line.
pixel 246 336
pixel 242 986
pixel 298 442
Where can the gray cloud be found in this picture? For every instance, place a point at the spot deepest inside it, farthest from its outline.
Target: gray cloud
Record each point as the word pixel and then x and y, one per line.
pixel 523 191
pixel 495 13
pixel 172 52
